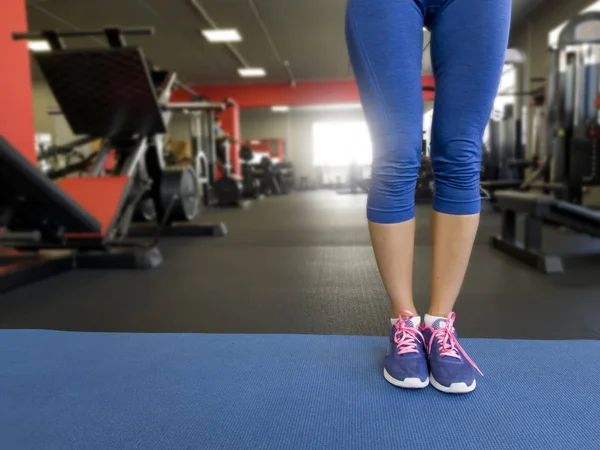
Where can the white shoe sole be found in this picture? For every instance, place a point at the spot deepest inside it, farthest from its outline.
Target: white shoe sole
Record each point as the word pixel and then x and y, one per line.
pixel 455 388
pixel 407 383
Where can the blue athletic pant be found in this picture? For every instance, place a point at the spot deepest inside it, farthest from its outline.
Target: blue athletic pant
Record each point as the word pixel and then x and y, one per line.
pixel 468 46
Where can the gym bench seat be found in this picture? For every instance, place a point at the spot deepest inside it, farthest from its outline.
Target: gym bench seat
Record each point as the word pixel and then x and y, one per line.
pixel 538 210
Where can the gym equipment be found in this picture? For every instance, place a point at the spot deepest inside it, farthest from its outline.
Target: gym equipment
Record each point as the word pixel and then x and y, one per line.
pixel 356 180
pixel 104 93
pixel 36 214
pixel 573 140
pixel 284 171
pixel 504 162
pixel 275 176
pixel 183 184
pixel 69 76
pixel 265 172
pixel 251 184
pixel 190 180
pixel 211 156
pixel 425 181
pixel 65 160
pixel 227 187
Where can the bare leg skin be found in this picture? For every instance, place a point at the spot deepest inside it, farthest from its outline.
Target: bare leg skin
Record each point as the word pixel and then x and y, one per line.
pixel 394 247
pixel 453 238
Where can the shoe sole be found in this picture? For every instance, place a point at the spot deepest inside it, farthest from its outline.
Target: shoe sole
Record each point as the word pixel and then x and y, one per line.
pixel 455 388
pixel 407 383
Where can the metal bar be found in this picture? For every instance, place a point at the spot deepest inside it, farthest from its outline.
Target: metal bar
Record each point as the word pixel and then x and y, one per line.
pixel 212 147
pixel 540 261
pixel 213 24
pixel 102 157
pixel 132 162
pixel 576 32
pixel 271 42
pixel 187 89
pixel 582 211
pixel 77 167
pixel 54 40
pixel 286 64
pixel 533 233
pixel 165 95
pixel 509 225
pixel 24 236
pixel 141 31
pixel 196 106
pixel 66 148
pixel 115 38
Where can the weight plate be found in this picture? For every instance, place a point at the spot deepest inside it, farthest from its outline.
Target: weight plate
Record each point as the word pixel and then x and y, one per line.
pixel 179 185
pixel 228 191
pixel 246 154
pixel 190 194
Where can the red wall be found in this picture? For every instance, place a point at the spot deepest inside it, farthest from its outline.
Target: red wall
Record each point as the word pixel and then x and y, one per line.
pixel 231 125
pixel 266 95
pixel 16 101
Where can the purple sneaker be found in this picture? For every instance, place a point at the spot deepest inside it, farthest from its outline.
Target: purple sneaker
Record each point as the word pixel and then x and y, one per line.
pixel 406 362
pixel 452 371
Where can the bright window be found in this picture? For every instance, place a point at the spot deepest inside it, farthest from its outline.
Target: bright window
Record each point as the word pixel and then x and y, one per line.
pixel 341 143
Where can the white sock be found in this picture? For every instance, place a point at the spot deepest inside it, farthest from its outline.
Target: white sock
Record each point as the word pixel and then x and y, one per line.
pixel 430 320
pixel 415 320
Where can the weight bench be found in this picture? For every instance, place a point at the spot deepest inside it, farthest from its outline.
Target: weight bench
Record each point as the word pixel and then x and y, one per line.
pixel 538 210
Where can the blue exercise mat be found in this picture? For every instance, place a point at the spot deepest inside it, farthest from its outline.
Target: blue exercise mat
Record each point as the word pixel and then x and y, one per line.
pixel 62 390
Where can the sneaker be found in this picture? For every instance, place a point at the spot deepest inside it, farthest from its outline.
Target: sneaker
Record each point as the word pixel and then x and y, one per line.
pixel 406 362
pixel 452 371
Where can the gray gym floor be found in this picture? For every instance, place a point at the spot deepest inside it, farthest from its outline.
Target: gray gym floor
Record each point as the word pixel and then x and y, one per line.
pixel 302 264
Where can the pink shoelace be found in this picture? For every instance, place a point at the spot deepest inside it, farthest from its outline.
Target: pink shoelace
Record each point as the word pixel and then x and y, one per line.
pixel 407 338
pixel 448 344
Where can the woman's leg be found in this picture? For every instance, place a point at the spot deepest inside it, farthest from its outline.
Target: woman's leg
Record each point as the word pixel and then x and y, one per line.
pixel 468 47
pixel 385 40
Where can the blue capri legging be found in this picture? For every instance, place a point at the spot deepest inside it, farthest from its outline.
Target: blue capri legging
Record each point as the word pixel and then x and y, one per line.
pixel 468 46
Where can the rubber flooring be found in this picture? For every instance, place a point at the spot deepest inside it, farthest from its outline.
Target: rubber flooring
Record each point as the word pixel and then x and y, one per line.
pixel 302 264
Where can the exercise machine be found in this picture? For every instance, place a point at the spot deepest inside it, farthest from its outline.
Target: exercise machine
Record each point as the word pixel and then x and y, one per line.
pixel 573 143
pixel 79 92
pixel 108 94
pixel 227 185
pixel 265 172
pixel 425 187
pixel 284 171
pixel 251 182
pixel 504 159
pixel 211 155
